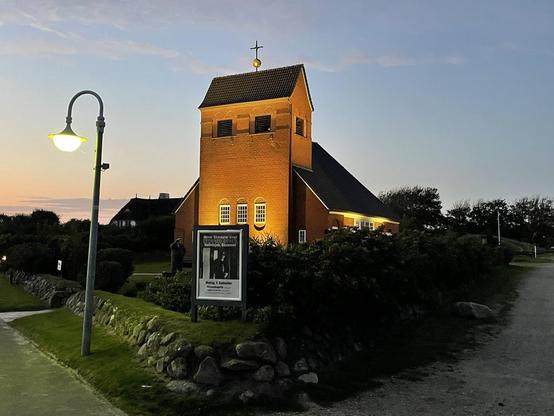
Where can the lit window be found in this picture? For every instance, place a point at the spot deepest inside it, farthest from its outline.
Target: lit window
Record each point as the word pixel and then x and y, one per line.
pixel 242 213
pixel 301 236
pixel 224 128
pixel 371 226
pixel 262 124
pixel 224 214
pixel 259 213
pixel 299 126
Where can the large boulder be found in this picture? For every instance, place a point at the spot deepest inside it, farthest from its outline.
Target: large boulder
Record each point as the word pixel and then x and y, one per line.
pixel 264 373
pixel 308 378
pixel 208 372
pixel 183 387
pixel 236 364
pixel 177 368
pixel 253 350
pixel 473 310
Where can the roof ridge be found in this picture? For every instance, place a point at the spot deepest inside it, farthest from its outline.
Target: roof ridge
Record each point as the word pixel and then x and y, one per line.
pixel 258 72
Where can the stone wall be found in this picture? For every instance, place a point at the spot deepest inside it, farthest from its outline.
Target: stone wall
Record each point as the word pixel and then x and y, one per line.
pixel 53 290
pixel 261 368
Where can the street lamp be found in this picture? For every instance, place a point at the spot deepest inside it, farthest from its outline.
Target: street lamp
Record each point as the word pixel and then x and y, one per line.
pixel 68 141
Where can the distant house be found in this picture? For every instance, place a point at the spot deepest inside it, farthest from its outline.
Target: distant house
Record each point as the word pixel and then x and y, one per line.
pixel 140 209
pixel 259 166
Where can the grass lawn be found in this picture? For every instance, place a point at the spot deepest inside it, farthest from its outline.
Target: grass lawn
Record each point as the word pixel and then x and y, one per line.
pixel 157 266
pixel 13 298
pixel 112 368
pixel 412 344
pixel 541 258
pixel 202 332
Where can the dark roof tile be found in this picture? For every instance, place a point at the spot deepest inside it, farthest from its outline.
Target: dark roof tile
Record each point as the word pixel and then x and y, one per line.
pixel 338 189
pixel 253 86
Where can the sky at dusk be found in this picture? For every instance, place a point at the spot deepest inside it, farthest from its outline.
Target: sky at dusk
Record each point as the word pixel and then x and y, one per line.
pixel 457 95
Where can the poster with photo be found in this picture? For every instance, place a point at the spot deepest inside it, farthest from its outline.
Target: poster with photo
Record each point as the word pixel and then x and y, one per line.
pixel 219 264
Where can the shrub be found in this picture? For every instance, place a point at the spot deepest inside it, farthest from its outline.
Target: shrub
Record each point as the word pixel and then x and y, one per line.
pixel 109 276
pixel 171 293
pixel 122 256
pixel 363 277
pixel 31 258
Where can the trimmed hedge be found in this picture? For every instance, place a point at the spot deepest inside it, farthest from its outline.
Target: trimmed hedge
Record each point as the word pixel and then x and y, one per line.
pixel 361 276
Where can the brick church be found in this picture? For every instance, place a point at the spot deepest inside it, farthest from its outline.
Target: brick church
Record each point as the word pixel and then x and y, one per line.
pixel 259 165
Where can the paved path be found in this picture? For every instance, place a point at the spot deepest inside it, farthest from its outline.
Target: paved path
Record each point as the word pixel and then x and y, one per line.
pixel 32 384
pixel 511 374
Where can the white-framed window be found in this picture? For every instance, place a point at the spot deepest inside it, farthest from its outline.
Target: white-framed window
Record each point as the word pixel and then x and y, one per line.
pixel 301 236
pixel 242 213
pixel 225 214
pixel 260 213
pixel 363 223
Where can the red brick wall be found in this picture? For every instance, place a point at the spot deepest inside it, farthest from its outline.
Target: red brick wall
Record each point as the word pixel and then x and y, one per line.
pixel 186 217
pixel 247 167
pixel 308 212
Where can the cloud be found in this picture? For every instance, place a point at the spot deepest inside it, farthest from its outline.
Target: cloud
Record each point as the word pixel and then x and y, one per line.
pixel 385 61
pixel 258 16
pixel 66 208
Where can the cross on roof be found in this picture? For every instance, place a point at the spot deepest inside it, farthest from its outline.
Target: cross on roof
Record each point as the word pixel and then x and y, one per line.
pixel 256 48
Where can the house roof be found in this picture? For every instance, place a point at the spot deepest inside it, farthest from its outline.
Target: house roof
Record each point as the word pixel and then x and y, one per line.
pixel 338 189
pixel 139 209
pixel 254 86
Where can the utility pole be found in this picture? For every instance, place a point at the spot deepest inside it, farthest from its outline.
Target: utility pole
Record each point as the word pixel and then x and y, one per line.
pixel 498 221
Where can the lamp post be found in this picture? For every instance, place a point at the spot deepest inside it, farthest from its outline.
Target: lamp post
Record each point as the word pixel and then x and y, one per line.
pixel 68 141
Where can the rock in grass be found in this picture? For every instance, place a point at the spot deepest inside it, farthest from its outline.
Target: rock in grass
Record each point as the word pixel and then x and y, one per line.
pixel 168 338
pixel 473 310
pixel 247 396
pixel 282 369
pixel 301 366
pixel 182 386
pixel 203 351
pixel 309 378
pixel 280 348
pixel 236 364
pixel 264 373
pixel 208 372
pixel 256 350
pixel 177 368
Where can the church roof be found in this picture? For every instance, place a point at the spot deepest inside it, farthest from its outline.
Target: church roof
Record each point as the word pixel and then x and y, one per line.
pixel 338 189
pixel 139 209
pixel 254 86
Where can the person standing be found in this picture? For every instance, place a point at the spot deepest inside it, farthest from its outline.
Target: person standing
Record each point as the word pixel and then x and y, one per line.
pixel 177 255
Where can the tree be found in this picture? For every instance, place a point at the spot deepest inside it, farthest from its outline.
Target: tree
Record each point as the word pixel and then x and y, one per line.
pixel 458 216
pixel 533 219
pixel 484 216
pixel 419 207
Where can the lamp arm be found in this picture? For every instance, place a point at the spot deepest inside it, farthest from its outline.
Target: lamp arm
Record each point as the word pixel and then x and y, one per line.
pixel 100 120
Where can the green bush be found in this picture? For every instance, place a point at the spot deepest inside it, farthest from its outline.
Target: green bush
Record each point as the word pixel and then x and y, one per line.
pixel 362 277
pixel 171 293
pixel 120 255
pixel 109 276
pixel 31 258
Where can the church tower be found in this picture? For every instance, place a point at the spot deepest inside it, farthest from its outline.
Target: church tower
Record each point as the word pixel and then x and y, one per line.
pixel 254 128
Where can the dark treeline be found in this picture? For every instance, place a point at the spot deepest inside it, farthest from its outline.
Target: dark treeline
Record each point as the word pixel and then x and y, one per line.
pixel 529 219
pixel 34 242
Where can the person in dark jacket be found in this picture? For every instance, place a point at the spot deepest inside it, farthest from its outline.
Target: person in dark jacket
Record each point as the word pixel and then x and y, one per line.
pixel 177 255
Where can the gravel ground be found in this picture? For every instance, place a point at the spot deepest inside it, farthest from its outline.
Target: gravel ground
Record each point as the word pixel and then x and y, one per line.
pixel 511 374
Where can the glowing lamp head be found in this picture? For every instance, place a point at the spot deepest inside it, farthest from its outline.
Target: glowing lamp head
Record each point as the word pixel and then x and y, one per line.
pixel 67 140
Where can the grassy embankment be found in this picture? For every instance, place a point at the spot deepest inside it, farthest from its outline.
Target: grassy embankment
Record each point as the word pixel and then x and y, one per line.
pixel 410 345
pixel 13 298
pixel 145 271
pixel 113 368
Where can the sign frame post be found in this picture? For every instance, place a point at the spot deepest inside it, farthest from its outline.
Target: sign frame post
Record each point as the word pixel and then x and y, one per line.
pixel 218 231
